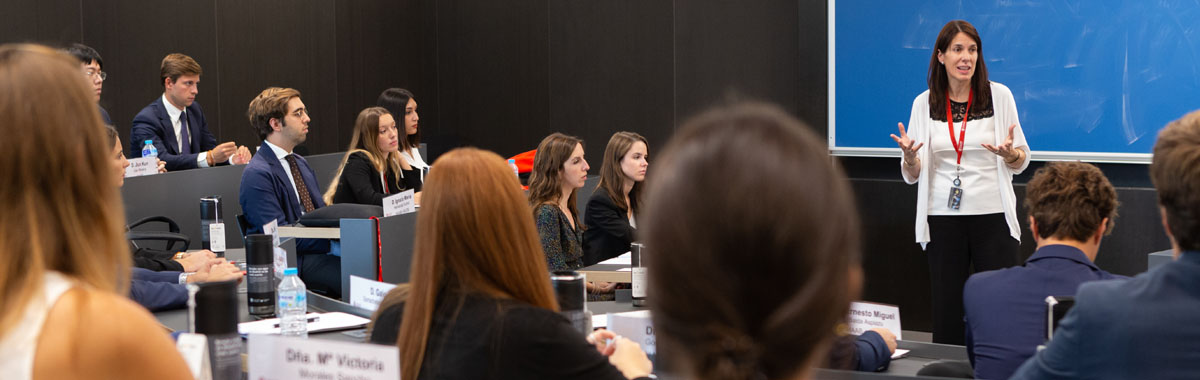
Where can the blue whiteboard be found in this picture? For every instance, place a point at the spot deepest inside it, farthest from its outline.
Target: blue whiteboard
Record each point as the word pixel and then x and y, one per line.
pixel 1093 80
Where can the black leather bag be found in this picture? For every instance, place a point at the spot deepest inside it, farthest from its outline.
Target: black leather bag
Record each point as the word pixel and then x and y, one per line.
pixel 331 215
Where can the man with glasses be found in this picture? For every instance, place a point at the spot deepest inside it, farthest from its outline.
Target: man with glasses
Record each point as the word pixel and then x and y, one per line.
pixel 92 65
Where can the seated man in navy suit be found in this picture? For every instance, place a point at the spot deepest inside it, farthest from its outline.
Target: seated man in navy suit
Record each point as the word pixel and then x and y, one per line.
pixel 1071 206
pixel 1145 327
pixel 176 125
pixel 279 185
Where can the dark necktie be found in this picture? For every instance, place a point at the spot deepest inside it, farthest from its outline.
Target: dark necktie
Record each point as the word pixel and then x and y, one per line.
pixel 301 188
pixel 185 145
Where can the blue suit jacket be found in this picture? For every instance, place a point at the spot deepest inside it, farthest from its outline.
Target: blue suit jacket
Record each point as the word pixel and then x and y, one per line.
pixel 153 123
pixel 1006 309
pixel 157 290
pixel 266 194
pixel 1143 328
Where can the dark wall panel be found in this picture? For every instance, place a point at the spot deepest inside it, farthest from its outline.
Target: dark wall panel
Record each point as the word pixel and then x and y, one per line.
pixel 493 80
pixel 279 43
pixel 739 49
pixel 379 46
pixel 53 22
pixel 611 70
pixel 133 38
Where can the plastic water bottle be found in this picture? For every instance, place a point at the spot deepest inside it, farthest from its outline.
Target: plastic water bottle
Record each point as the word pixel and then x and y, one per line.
pixel 148 150
pixel 293 305
pixel 513 164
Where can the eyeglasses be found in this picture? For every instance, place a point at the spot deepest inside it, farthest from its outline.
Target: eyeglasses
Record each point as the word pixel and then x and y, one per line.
pixel 89 74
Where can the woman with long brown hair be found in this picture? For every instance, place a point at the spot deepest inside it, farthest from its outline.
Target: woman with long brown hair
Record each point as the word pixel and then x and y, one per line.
pixel 479 303
pixel 777 271
pixel 63 258
pixel 966 207
pixel 612 210
pixel 371 167
pixel 559 170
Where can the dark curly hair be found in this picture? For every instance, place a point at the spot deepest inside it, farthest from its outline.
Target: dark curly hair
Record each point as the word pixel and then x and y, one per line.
pixel 1069 200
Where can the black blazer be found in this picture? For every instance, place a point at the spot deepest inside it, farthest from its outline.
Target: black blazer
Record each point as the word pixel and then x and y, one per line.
pixel 608 232
pixel 153 123
pixel 479 337
pixel 360 182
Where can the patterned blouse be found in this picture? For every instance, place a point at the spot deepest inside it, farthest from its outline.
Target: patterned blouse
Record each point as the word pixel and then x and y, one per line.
pixel 562 243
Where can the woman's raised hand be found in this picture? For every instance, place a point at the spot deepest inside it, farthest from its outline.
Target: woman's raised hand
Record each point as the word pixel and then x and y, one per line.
pixel 908 146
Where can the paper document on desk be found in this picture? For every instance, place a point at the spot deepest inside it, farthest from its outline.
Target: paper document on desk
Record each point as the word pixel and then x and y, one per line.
pixel 900 353
pixel 324 322
pixel 599 321
pixel 623 259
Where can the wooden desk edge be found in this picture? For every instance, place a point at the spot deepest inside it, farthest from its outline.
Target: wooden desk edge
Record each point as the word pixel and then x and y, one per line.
pixel 310 232
pixel 608 276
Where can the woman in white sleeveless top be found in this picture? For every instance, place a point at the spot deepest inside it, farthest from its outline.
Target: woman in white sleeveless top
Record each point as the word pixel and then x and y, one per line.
pixel 64 264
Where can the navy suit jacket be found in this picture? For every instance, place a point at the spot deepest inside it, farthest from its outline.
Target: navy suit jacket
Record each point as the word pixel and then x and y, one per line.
pixel 157 290
pixel 1143 328
pixel 104 116
pixel 1006 309
pixel 153 123
pixel 266 194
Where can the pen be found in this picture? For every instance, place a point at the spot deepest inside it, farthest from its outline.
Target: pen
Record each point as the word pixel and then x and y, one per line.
pixel 310 320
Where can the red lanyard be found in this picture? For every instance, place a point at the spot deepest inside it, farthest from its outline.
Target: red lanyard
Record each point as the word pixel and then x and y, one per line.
pixel 962 136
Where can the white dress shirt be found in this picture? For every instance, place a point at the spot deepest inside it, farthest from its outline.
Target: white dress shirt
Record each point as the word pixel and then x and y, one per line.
pixel 287 168
pixel 173 114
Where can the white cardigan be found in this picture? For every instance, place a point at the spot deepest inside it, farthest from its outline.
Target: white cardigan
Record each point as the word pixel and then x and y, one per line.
pixel 1005 114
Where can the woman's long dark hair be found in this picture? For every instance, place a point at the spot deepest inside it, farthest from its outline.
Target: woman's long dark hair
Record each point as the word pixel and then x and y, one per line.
pixel 776 256
pixel 939 83
pixel 395 100
pixel 545 181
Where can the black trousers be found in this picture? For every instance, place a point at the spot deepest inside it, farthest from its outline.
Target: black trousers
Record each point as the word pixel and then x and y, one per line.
pixel 958 244
pixel 321 274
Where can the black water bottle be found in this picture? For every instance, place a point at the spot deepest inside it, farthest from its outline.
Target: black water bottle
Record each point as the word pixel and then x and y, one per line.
pixel 213 311
pixel 260 275
pixel 571 290
pixel 637 261
pixel 210 212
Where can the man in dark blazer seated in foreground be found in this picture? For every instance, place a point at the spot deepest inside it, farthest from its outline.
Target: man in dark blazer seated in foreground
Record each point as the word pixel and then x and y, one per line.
pixel 279 185
pixel 1144 327
pixel 1071 206
pixel 176 125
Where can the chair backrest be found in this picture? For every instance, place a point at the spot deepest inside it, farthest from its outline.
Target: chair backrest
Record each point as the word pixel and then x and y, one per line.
pixel 172 239
pixel 1056 309
pixel 243 226
pixel 585 193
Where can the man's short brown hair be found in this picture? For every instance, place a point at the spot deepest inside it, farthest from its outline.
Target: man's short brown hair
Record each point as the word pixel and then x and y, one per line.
pixel 175 65
pixel 1069 200
pixel 1175 170
pixel 269 104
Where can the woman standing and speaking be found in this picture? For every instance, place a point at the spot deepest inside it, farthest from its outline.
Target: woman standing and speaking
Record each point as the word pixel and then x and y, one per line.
pixel 966 208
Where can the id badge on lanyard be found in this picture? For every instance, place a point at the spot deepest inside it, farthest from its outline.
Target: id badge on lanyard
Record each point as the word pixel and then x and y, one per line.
pixel 956 191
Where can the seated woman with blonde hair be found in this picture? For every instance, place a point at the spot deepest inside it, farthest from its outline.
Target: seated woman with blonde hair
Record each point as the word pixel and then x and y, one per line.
pixel 371 168
pixel 479 304
pixel 64 259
